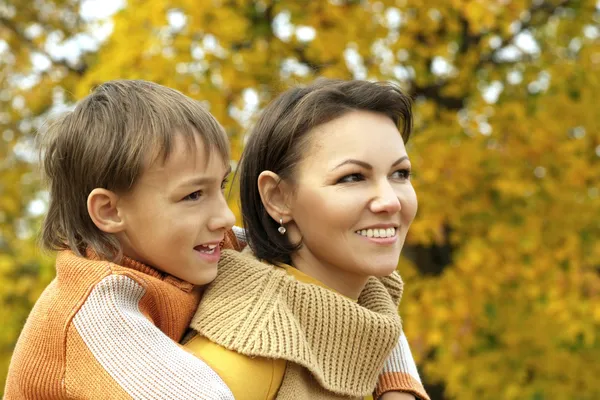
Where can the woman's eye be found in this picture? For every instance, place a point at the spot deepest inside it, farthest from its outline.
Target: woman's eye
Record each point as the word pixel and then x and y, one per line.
pixel 193 196
pixel 402 174
pixel 351 178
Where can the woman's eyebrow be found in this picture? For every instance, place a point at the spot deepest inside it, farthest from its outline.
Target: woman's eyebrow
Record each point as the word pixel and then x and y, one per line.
pixel 366 165
pixel 398 161
pixel 353 161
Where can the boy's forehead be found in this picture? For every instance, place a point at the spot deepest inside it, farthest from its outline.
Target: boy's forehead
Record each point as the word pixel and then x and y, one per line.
pixel 186 156
pixel 178 146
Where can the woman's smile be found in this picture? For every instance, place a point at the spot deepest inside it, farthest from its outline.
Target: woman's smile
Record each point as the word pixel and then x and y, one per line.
pixel 379 235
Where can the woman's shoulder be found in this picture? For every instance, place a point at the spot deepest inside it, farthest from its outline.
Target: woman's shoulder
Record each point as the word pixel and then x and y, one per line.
pixel 251 378
pixel 242 267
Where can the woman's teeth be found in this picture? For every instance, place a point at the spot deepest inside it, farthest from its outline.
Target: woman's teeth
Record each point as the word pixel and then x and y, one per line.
pixel 378 233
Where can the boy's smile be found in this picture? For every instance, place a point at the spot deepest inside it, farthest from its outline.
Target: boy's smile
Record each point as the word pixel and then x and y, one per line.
pixel 210 252
pixel 176 215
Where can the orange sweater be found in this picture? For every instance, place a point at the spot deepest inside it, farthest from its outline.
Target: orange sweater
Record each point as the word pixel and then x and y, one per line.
pixel 102 330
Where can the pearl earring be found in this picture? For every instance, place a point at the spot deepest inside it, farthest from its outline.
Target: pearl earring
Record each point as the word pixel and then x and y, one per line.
pixel 281 228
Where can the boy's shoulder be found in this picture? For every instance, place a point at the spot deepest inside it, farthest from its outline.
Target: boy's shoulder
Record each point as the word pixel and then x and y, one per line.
pixel 103 317
pixel 77 280
pixel 45 335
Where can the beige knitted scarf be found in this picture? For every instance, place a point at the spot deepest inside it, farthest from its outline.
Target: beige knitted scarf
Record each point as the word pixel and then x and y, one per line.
pixel 335 347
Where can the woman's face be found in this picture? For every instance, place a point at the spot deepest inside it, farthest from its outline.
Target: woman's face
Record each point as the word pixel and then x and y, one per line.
pixel 352 201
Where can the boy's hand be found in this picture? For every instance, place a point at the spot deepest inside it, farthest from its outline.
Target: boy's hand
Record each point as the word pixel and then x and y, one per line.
pixel 397 396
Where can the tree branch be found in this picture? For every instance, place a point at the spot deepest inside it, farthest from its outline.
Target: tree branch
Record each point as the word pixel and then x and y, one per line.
pixel 433 91
pixel 32 46
pixel 525 25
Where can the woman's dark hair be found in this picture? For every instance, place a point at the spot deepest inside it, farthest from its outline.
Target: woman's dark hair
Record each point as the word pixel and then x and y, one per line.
pixel 280 137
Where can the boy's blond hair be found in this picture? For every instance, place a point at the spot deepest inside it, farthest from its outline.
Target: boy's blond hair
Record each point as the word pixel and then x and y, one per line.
pixel 106 142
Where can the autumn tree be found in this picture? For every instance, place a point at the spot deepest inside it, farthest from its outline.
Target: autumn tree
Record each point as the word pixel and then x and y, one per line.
pixel 502 266
pixel 29 80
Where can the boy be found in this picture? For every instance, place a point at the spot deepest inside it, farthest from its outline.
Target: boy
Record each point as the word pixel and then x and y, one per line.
pixel 137 214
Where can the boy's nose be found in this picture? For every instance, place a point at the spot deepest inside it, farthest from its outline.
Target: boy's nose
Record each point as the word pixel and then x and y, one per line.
pixel 223 217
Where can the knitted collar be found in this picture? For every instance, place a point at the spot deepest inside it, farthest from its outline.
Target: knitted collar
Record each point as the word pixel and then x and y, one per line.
pixel 167 301
pixel 258 309
pixel 145 269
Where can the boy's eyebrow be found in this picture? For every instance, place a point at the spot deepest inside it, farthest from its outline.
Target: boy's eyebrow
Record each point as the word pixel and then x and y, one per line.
pixel 203 180
pixel 197 181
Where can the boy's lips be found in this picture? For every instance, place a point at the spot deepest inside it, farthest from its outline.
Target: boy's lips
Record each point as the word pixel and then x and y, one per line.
pixel 211 243
pixel 210 252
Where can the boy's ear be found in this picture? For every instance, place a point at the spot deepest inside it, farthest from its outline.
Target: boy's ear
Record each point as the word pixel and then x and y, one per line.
pixel 102 208
pixel 275 195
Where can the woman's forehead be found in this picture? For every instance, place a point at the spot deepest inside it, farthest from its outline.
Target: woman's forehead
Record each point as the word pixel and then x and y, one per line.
pixel 359 135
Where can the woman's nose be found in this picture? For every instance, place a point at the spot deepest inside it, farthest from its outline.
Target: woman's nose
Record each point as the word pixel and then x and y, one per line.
pixel 386 200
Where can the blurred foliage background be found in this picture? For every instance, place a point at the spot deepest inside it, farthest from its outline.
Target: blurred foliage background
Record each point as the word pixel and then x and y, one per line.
pixel 502 267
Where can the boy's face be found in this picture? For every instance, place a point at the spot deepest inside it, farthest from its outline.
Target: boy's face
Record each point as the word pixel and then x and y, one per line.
pixel 176 214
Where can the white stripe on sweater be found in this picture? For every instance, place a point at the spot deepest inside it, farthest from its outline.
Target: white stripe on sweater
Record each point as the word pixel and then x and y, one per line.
pixel 240 233
pixel 401 360
pixel 145 362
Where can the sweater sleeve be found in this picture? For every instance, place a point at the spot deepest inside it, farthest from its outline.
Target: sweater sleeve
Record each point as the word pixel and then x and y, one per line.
pixel 235 239
pixel 114 350
pixel 400 373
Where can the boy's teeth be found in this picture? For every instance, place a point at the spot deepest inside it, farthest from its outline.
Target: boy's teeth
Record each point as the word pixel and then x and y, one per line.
pixel 378 233
pixel 208 249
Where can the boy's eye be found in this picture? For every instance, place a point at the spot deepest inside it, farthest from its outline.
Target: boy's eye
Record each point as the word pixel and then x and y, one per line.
pixel 402 174
pixel 224 183
pixel 351 178
pixel 193 196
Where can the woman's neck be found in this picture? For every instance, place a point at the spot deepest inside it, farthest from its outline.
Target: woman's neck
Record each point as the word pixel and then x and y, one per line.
pixel 344 282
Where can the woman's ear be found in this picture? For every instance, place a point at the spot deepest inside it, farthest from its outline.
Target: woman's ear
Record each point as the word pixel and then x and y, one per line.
pixel 275 195
pixel 102 209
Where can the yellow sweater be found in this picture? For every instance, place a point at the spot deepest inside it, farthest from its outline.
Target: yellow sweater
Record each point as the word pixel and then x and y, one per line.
pixel 254 310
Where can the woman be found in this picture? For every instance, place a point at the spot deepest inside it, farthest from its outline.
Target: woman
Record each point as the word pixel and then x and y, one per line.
pixel 327 202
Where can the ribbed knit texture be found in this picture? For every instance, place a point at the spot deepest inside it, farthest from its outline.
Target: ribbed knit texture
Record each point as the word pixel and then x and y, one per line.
pixel 400 372
pixel 258 309
pixel 102 330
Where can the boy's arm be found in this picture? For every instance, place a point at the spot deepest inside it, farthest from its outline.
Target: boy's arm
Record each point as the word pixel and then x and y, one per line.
pixel 397 396
pixel 237 237
pixel 400 374
pixel 115 351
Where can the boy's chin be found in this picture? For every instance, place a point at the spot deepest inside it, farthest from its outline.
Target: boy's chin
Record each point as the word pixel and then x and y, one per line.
pixel 204 277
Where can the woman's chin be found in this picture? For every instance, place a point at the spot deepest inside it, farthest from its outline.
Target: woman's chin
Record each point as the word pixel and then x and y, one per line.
pixel 381 269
